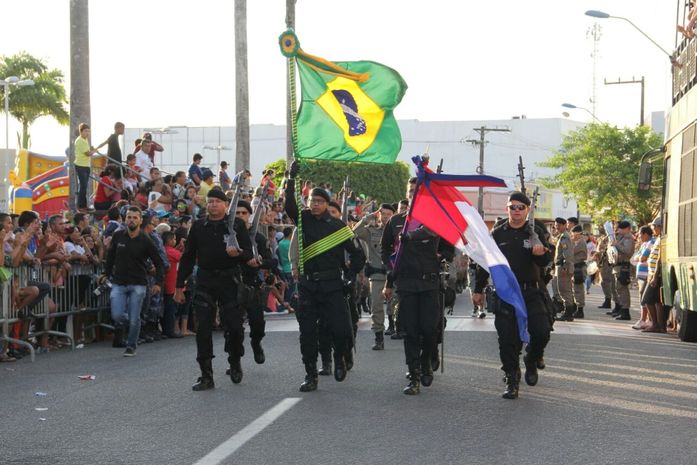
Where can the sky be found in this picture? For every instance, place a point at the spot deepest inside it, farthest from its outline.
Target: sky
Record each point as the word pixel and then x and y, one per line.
pixel 159 63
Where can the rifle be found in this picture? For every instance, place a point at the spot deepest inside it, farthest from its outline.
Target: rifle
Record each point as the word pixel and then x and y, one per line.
pixel 521 174
pixel 534 238
pixel 257 208
pixel 344 201
pixel 232 210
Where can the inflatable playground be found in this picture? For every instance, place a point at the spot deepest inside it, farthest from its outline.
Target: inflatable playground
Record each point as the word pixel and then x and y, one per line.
pixel 39 183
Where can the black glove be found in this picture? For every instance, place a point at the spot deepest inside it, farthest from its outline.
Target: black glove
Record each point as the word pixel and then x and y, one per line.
pixel 294 169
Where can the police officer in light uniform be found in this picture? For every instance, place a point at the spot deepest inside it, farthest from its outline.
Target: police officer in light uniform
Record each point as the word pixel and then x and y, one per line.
pixel 564 269
pixel 579 277
pixel 607 280
pixel 624 243
pixel 325 241
pixel 369 232
pixel 217 278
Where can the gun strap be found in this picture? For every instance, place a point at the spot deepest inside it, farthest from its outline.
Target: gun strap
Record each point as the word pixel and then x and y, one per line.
pixel 327 243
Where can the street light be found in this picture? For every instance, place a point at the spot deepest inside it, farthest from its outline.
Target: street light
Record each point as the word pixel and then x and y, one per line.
pixel 574 107
pixel 603 15
pixel 6 83
pixel 217 148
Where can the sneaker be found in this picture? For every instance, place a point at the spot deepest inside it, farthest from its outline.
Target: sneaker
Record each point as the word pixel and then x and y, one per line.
pixel 129 352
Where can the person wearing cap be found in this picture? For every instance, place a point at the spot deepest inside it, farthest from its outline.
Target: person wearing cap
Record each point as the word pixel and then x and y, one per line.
pixel 369 232
pixel 206 182
pixel 624 243
pixel 252 304
pixel 223 177
pixel 216 285
pixel 564 269
pixel 416 279
pixel 325 241
pixel 143 161
pixel 651 295
pixel 607 280
pixel 580 252
pixel 527 260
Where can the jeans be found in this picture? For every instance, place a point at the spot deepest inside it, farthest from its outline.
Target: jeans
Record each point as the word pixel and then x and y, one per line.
pixel 126 301
pixel 83 177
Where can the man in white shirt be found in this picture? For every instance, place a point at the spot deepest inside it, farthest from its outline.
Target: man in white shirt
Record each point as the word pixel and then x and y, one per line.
pixel 143 160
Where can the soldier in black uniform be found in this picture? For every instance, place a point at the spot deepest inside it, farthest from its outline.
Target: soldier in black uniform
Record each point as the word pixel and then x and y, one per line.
pixel 321 285
pixel 417 280
pixel 217 281
pixel 527 261
pixel 252 282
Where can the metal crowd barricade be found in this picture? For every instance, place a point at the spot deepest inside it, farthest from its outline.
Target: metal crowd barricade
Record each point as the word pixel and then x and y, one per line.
pixel 76 296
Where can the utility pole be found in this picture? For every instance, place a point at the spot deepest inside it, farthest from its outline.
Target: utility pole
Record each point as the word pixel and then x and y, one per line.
pixel 594 33
pixel 633 81
pixel 290 24
pixel 480 169
pixel 242 85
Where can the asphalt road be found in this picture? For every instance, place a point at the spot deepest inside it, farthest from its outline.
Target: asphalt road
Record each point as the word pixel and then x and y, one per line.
pixel 609 395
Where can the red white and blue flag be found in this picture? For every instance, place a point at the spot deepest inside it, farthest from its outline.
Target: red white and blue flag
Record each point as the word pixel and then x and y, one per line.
pixel 440 207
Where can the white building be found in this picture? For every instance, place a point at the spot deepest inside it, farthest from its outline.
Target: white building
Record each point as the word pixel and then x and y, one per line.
pixel 533 139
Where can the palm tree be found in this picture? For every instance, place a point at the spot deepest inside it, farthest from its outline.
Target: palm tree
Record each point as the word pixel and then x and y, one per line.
pixel 242 93
pixel 45 98
pixel 79 80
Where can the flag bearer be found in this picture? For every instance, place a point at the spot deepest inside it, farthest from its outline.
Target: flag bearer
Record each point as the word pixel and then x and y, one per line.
pixel 321 285
pixel 527 261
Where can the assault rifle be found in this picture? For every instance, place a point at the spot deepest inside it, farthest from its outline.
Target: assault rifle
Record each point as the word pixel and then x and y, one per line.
pixel 521 173
pixel 232 210
pixel 534 238
pixel 257 208
pixel 344 201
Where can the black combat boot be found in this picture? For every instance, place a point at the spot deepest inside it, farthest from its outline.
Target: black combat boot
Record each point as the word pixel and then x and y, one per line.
pixel 512 380
pixel 259 356
pixel 235 369
pixel 414 382
pixel 326 365
pixel 568 314
pixel 205 382
pixel 339 368
pixel 530 370
pixel 397 335
pixel 579 313
pixel 615 311
pixel 606 303
pixel 118 341
pixel 310 383
pixel 541 363
pixel 426 371
pixel 624 314
pixel 379 341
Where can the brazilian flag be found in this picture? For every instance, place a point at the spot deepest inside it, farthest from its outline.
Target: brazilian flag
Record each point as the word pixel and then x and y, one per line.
pixel 346 110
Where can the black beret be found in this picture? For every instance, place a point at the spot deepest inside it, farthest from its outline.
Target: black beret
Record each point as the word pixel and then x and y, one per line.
pixel 624 224
pixel 577 228
pixel 559 220
pixel 319 192
pixel 244 204
pixel 335 205
pixel 520 197
pixel 387 206
pixel 217 193
pixel 572 219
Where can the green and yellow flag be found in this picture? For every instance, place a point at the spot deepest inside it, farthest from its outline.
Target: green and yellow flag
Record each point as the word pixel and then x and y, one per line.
pixel 346 109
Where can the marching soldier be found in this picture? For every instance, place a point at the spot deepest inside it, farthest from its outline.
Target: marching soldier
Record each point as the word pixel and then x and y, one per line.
pixel 624 243
pixel 321 286
pixel 580 254
pixel 217 278
pixel 369 232
pixel 564 269
pixel 527 261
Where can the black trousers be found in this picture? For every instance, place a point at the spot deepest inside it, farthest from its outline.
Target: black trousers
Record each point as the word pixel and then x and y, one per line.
pixel 83 178
pixel 506 324
pixel 322 307
pixel 254 308
pixel 217 290
pixel 418 315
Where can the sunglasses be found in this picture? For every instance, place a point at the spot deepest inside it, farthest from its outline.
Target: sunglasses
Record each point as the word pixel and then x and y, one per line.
pixel 519 208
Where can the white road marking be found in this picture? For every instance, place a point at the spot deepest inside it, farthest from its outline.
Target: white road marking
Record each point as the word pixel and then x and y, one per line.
pixel 226 449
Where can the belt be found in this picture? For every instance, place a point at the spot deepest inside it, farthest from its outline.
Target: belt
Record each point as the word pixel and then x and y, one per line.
pixel 423 277
pixel 579 264
pixel 323 275
pixel 529 285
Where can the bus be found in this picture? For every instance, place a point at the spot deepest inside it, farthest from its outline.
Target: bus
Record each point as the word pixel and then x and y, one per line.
pixel 679 199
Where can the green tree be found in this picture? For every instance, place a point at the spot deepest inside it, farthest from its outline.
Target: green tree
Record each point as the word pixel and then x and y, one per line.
pixel 46 97
pixel 599 166
pixel 386 183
